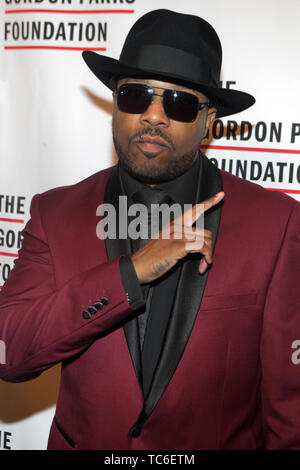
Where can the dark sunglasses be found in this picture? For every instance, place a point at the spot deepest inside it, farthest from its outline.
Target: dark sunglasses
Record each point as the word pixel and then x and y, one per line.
pixel 134 98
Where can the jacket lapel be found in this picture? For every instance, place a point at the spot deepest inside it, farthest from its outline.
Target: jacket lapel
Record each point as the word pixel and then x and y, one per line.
pixel 114 248
pixel 189 292
pixel 188 297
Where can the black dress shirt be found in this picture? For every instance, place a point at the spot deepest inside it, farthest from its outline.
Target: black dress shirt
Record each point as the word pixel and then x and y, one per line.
pixel 155 300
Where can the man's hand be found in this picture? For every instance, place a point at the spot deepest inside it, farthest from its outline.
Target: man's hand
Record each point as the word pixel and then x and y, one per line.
pixel 160 254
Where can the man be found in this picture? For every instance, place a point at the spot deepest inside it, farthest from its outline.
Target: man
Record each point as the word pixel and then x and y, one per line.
pixel 171 343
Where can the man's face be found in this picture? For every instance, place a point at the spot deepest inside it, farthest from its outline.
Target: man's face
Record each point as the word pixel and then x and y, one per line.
pixel 151 146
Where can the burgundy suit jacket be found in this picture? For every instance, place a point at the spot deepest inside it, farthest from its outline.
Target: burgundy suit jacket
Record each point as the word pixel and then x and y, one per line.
pixel 226 378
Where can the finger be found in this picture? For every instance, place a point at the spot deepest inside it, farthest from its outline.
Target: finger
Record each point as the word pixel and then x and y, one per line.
pixel 179 231
pixel 185 232
pixel 195 246
pixel 203 246
pixel 207 259
pixel 204 265
pixel 191 233
pixel 192 214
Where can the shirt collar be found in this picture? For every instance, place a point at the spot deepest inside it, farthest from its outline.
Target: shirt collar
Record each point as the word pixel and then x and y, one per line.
pixel 181 189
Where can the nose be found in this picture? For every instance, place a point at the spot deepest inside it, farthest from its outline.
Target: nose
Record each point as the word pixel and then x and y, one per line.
pixel 155 114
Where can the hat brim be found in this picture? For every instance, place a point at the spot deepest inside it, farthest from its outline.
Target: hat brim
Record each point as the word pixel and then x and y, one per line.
pixel 108 70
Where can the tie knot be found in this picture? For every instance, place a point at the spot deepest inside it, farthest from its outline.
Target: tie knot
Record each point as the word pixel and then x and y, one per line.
pixel 149 196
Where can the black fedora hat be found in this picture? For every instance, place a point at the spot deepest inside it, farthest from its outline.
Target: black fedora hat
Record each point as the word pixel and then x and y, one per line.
pixel 176 47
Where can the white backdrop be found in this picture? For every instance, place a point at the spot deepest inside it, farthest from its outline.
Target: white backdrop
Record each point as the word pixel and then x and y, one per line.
pixel 55 124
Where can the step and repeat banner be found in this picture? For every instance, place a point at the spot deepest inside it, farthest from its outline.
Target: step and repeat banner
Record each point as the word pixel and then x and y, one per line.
pixel 55 124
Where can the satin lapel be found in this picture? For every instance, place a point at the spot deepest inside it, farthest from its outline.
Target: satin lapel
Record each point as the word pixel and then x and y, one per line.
pixel 114 248
pixel 188 297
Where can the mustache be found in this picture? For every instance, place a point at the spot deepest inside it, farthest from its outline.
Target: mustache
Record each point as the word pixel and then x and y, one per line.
pixel 153 132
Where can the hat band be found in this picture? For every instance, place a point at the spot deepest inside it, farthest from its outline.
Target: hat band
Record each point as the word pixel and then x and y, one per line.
pixel 168 60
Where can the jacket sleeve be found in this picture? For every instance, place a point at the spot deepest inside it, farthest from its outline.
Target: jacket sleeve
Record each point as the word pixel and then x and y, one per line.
pixel 281 328
pixel 40 324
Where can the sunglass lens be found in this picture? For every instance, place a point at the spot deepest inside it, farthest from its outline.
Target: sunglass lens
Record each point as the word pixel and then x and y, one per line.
pixel 134 98
pixel 180 106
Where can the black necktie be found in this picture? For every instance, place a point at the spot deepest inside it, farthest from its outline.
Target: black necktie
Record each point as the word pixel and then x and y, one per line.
pixel 151 198
pixel 153 322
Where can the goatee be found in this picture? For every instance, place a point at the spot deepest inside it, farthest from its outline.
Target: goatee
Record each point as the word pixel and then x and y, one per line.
pixel 171 170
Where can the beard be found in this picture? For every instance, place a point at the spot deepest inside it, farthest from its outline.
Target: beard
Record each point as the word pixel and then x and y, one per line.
pixel 172 169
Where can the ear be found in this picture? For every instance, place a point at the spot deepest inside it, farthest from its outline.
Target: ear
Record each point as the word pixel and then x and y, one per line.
pixel 211 114
pixel 114 101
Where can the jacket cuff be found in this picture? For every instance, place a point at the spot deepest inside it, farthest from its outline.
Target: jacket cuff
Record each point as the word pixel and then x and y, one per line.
pixel 133 289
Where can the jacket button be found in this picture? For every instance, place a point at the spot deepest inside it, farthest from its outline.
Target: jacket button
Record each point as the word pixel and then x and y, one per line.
pixel 104 300
pixel 136 431
pixel 98 305
pixel 86 314
pixel 92 309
